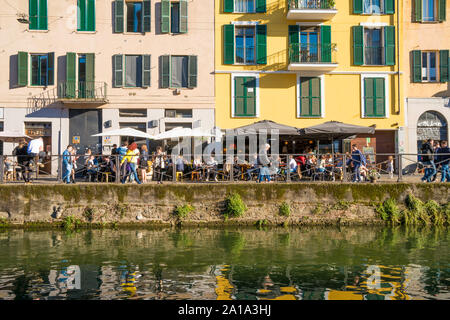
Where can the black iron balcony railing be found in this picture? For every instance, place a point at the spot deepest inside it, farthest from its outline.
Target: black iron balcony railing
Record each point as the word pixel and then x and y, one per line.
pixel 311 4
pixel 311 53
pixel 82 90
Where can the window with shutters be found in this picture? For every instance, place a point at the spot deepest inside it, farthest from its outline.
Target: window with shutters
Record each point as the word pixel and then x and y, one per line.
pixel 174 16
pixel 309 97
pixel 373 46
pixel 429 10
pixel 374 96
pixel 245 96
pixel 244 6
pixel 429 66
pixel 245 45
pixel 41 69
pixel 132 16
pixel 373 6
pixel 178 71
pixel 132 71
pixel 86 15
pixel 38 14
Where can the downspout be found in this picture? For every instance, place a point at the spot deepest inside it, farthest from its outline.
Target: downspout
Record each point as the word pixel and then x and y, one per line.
pixel 398 57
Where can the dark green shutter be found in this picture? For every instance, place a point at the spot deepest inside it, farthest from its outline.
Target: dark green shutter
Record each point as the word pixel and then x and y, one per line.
pixel 250 101
pixel 357 6
pixel 118 16
pixel 91 15
pixel 228 6
pixel 417 10
pixel 165 16
pixel 183 16
pixel 389 6
pixel 417 66
pixel 146 16
pixel 118 70
pixel 310 97
pixel 239 96
pixel 380 99
pixel 50 68
pixel 442 10
pixel 22 68
pixel 358 45
pixel 261 44
pixel 71 75
pixel 389 45
pixel 325 42
pixel 294 53
pixel 193 71
pixel 81 15
pixel 369 97
pixel 164 71
pixel 261 6
pixel 33 14
pixel 90 75
pixel 228 44
pixel 42 14
pixel 444 65
pixel 146 70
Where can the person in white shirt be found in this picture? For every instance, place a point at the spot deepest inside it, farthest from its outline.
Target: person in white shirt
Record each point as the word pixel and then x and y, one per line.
pixel 36 150
pixel 211 166
pixel 292 164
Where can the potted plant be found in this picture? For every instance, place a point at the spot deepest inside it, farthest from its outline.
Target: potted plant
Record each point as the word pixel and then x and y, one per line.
pixel 373 175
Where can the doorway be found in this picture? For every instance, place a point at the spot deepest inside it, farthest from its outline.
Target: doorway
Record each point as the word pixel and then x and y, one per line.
pixel 42 130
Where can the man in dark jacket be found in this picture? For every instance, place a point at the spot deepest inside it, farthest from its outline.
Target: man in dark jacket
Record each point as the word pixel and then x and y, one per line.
pixel 358 159
pixel 443 156
pixel 427 157
pixel 23 159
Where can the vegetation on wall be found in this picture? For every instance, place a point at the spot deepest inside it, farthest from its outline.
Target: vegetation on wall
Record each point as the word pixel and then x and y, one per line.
pixel 234 206
pixel 183 211
pixel 285 209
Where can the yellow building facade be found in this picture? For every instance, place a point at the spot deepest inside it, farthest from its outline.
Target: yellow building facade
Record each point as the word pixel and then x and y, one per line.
pixel 303 63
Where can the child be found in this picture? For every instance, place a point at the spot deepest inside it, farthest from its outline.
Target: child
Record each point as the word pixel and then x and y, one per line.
pixel 390 167
pixel 9 169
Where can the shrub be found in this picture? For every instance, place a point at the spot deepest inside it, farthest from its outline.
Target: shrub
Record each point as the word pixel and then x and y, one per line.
pixel 234 206
pixel 435 212
pixel 183 211
pixel 389 211
pixel 285 209
pixel 70 222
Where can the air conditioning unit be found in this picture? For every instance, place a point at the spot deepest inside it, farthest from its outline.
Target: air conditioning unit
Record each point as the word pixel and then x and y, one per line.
pixel 153 124
pixel 171 113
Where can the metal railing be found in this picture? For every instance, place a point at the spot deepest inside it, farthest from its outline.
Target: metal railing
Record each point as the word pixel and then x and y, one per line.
pixel 311 4
pixel 293 168
pixel 311 53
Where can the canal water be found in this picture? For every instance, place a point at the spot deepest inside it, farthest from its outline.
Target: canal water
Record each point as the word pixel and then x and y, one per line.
pixel 243 264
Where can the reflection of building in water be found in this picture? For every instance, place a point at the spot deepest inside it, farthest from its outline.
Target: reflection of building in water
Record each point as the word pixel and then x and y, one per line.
pixel 425 282
pixel 108 282
pixel 74 282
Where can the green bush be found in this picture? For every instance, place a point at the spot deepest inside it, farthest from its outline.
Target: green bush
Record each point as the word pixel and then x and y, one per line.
pixel 70 222
pixel 234 206
pixel 183 211
pixel 285 209
pixel 389 211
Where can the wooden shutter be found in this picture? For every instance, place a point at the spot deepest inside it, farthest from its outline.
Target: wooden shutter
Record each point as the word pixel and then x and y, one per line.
pixel 22 68
pixel 358 45
pixel 369 97
pixel 33 14
pixel 91 15
pixel 310 97
pixel 50 68
pixel 81 15
pixel 228 44
pixel 118 16
pixel 43 15
pixel 146 70
pixel 444 65
pixel 250 101
pixel 325 43
pixel 71 75
pixel 118 70
pixel 90 75
pixel 389 6
pixel 183 16
pixel 380 99
pixel 261 44
pixel 261 6
pixel 146 16
pixel 294 40
pixel 193 71
pixel 164 71
pixel 228 6
pixel 357 6
pixel 442 10
pixel 389 45
pixel 165 16
pixel 417 10
pixel 416 66
pixel 239 96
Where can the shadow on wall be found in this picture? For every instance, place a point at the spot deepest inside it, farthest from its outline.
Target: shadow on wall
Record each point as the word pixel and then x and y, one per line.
pixel 443 94
pixel 13 75
pixel 158 18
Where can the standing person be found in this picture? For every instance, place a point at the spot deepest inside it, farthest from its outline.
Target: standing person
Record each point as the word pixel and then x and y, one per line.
pixel 23 159
pixel 444 159
pixel 159 165
pixel 36 151
pixel 358 159
pixel 143 163
pixel 436 148
pixel 264 173
pixel 132 158
pixel 390 167
pixel 427 152
pixel 67 164
pixel 122 166
pixel 73 162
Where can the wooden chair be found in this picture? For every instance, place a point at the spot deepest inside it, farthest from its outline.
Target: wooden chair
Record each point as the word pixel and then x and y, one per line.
pixel 196 174
pixel 179 174
pixel 105 176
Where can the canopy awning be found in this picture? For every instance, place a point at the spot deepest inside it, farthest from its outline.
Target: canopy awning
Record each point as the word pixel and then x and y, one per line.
pixel 266 126
pixel 180 132
pixel 334 130
pixel 125 132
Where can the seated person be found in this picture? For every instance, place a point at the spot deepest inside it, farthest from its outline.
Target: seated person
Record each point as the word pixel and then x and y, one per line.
pixel 92 166
pixel 254 167
pixel 211 167
pixel 292 164
pixel 107 166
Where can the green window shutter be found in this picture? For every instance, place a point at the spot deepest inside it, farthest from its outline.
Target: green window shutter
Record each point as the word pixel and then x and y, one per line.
pixel 389 6
pixel 71 75
pixel 183 16
pixel 165 16
pixel 22 69
pixel 294 54
pixel 310 97
pixel 91 15
pixel 261 6
pixel 81 15
pixel 261 44
pixel 357 6
pixel 369 97
pixel 146 70
pixel 444 65
pixel 50 68
pixel 193 71
pixel 228 44
pixel 33 14
pixel 389 45
pixel 228 6
pixel 358 45
pixel 90 67
pixel 417 10
pixel 325 43
pixel 118 16
pixel 442 10
pixel 245 96
pixel 43 15
pixel 416 66
pixel 380 98
pixel 250 103
pixel 146 16
pixel 239 96
pixel 118 70
pixel 164 71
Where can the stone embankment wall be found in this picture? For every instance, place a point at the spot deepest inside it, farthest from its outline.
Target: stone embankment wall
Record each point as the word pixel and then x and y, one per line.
pixel 155 204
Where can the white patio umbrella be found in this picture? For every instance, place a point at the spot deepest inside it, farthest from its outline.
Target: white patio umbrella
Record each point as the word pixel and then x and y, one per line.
pixel 180 132
pixel 13 136
pixel 125 132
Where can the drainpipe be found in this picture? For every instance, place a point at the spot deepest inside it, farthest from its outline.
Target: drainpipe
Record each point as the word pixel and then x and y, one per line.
pixel 398 56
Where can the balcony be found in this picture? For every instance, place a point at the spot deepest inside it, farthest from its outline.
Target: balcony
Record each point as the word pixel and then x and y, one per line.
pixel 315 10
pixel 315 58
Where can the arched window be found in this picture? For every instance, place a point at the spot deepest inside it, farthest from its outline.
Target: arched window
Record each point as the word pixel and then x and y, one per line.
pixel 431 125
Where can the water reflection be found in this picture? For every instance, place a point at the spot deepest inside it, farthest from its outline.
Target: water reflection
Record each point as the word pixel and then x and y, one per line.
pixel 244 264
